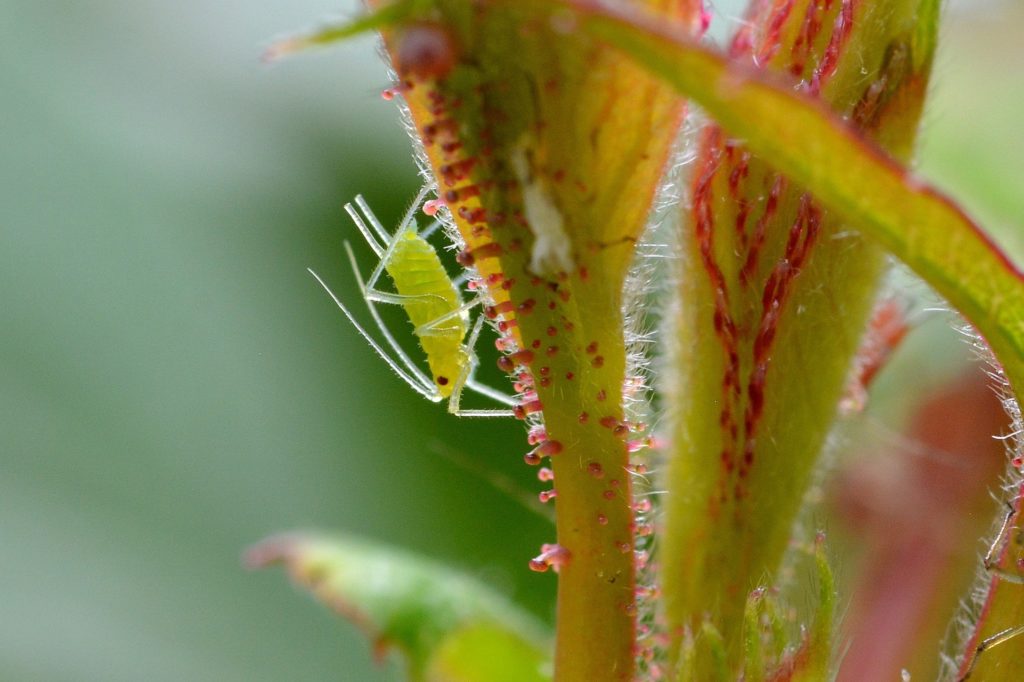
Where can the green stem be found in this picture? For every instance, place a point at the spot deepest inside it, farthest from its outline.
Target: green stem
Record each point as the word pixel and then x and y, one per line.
pixel 594 514
pixel 596 611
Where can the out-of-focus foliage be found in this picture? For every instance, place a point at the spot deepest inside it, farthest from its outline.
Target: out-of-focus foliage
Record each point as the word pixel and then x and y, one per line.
pixel 447 626
pixel 174 386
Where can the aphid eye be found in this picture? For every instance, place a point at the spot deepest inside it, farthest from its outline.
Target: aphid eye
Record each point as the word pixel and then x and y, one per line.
pixel 442 381
pixel 424 51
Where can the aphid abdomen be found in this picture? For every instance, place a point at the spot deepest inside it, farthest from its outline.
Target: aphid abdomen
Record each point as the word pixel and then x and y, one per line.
pixel 417 272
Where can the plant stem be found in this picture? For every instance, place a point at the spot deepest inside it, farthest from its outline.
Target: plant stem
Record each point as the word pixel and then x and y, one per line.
pixel 594 511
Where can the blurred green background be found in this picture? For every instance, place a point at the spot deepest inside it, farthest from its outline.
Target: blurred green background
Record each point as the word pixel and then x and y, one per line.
pixel 174 386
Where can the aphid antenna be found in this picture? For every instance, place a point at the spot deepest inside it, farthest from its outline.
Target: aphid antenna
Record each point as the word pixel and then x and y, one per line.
pixel 415 379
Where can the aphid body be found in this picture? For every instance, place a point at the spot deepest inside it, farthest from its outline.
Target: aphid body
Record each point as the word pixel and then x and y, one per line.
pixel 434 305
pixel 429 296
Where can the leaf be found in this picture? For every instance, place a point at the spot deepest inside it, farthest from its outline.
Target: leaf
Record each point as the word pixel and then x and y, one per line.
pixel 332 33
pixel 848 174
pixel 434 615
pixel 485 653
pixel 773 294
pixel 853 178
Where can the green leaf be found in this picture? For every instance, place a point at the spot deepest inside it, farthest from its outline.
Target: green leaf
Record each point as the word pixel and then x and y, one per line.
pixel 333 33
pixel 446 624
pixel 773 294
pixel 848 174
pixel 486 653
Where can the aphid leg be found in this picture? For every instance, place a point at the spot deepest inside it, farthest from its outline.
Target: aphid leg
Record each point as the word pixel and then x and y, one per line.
pixel 430 229
pixel 466 380
pixel 369 290
pixel 988 643
pixel 385 258
pixel 991 563
pixel 402 356
pixel 365 231
pixel 991 560
pixel 471 383
pixel 487 391
pixel 434 328
pixel 415 379
pixel 407 220
pixel 376 295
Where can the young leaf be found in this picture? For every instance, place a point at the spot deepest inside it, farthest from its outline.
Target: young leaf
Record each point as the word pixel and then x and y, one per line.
pixel 449 627
pixel 488 653
pixel 848 174
pixel 774 292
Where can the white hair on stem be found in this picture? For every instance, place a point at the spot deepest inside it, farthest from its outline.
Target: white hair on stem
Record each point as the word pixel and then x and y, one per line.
pixel 962 629
pixel 647 283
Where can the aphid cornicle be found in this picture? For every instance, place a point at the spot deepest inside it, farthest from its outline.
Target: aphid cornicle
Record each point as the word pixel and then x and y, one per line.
pixel 434 305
